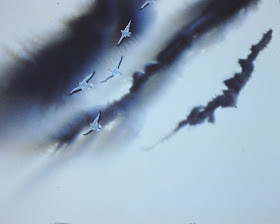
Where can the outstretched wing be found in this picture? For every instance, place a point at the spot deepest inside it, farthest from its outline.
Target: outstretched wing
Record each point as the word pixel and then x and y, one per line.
pixel 120 40
pixel 144 5
pixel 75 90
pixel 128 26
pixel 111 76
pixel 97 119
pixel 120 61
pixel 89 77
pixel 89 131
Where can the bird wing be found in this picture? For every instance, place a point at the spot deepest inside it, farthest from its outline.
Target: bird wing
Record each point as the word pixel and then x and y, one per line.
pixel 89 77
pixel 144 5
pixel 77 89
pixel 89 131
pixel 120 61
pixel 98 116
pixel 96 120
pixel 111 76
pixel 120 40
pixel 128 26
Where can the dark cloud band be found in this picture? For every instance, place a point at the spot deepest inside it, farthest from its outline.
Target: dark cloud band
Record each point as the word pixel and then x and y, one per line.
pixel 228 98
pixel 215 13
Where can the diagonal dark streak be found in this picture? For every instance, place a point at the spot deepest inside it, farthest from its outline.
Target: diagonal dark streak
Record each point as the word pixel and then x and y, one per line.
pixel 215 13
pixel 228 98
pixel 45 80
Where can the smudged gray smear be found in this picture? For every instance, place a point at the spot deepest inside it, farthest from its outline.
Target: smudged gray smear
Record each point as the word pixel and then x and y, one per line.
pixel 46 79
pixel 215 13
pixel 228 98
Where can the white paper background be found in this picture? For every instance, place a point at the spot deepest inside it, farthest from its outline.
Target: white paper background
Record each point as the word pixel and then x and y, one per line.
pixel 227 172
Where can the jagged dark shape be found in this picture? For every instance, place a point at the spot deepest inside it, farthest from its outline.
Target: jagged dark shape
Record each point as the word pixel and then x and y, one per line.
pixel 228 98
pixel 215 13
pixel 56 69
pixel 234 85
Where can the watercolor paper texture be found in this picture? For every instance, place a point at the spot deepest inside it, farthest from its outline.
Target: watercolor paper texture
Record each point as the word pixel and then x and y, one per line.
pixel 134 111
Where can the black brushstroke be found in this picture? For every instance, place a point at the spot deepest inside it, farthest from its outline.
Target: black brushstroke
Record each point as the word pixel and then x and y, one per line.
pixel 55 69
pixel 215 13
pixel 228 98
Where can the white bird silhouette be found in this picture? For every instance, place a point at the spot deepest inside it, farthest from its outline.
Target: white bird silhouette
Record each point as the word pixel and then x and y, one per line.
pixel 147 3
pixel 125 32
pixel 115 71
pixel 94 126
pixel 84 84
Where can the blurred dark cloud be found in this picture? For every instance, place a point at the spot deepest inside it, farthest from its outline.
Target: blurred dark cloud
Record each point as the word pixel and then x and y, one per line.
pixel 209 14
pixel 45 80
pixel 228 98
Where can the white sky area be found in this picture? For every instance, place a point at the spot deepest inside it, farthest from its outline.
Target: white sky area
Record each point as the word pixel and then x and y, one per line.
pixel 227 172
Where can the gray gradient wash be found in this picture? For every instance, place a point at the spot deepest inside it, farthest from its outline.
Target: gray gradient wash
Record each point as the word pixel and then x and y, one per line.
pixel 227 172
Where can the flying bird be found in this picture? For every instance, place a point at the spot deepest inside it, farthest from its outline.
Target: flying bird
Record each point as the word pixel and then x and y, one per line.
pixel 125 32
pixel 147 3
pixel 84 84
pixel 94 126
pixel 115 71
